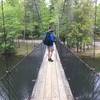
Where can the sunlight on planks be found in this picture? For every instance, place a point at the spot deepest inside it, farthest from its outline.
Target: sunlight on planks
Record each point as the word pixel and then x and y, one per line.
pixel 51 83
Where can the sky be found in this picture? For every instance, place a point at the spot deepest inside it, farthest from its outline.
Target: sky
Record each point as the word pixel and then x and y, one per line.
pixel 47 2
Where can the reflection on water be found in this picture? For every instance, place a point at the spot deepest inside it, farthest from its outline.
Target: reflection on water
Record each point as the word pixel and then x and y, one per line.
pixel 84 82
pixel 18 84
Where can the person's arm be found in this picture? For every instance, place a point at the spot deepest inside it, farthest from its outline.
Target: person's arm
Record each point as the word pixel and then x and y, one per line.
pixel 54 37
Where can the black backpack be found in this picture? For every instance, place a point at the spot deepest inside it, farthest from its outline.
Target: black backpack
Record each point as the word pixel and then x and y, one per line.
pixel 46 40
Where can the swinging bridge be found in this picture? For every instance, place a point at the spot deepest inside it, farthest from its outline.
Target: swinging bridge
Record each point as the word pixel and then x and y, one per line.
pixel 34 78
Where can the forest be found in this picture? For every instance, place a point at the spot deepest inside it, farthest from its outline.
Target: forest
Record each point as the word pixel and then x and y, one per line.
pixel 76 22
pixel 72 19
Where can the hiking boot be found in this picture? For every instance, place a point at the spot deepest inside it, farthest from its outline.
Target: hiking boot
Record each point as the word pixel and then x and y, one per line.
pixel 50 60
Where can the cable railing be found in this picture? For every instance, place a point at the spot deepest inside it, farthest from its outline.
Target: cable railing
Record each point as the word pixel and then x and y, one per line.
pixel 83 80
pixel 17 83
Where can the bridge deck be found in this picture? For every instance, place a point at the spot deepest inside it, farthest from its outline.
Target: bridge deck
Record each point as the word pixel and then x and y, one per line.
pixel 51 83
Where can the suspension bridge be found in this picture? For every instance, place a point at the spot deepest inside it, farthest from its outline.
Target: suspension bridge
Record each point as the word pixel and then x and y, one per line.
pixel 33 77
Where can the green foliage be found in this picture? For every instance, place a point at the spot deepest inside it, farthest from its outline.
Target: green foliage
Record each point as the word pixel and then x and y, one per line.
pixel 22 19
pixel 98 20
pixel 7 46
pixel 72 19
pixel 12 24
pixel 77 26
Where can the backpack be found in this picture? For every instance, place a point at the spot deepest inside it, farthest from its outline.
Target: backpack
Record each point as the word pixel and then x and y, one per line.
pixel 47 41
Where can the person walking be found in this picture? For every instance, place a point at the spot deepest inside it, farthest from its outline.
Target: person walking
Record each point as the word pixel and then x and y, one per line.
pixel 49 42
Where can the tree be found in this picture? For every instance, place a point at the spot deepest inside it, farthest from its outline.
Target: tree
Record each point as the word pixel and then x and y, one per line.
pixel 77 24
pixel 98 20
pixel 11 25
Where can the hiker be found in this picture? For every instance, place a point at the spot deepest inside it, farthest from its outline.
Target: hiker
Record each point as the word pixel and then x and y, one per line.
pixel 49 42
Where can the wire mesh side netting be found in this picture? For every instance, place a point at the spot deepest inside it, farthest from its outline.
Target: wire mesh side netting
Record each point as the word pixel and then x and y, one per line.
pixel 84 82
pixel 18 35
pixel 18 83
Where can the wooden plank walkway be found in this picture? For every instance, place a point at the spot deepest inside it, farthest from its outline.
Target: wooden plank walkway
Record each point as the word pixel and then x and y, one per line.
pixel 51 83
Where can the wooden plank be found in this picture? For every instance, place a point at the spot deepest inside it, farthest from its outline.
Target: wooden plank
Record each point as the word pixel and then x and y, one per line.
pixel 55 98
pixel 55 89
pixel 62 77
pixel 47 88
pixel 51 83
pixel 62 94
pixel 38 91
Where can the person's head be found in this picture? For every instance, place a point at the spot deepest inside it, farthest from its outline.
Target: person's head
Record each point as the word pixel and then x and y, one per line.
pixel 50 29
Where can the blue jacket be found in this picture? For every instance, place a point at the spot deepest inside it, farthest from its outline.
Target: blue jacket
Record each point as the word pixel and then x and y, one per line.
pixel 52 37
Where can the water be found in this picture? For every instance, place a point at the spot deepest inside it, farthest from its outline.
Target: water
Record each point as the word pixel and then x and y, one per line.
pixel 84 82
pixel 18 84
